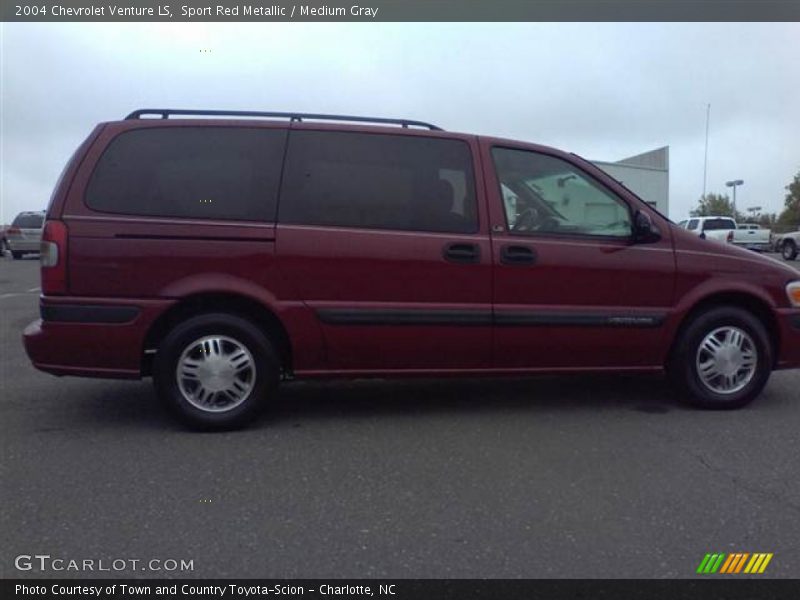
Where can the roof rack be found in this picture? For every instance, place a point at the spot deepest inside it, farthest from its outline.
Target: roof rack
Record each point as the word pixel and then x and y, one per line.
pixel 298 117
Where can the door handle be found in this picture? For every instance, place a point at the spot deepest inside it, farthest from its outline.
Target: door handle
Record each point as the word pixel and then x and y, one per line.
pixel 462 254
pixel 517 255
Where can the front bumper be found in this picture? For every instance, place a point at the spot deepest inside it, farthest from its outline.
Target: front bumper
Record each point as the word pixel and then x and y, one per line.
pixel 91 337
pixel 789 339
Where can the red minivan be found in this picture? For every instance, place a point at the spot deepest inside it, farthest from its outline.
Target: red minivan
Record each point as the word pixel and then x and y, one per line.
pixel 223 252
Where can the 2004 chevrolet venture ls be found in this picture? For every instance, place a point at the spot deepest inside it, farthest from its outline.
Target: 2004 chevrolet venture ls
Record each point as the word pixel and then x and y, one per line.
pixel 221 252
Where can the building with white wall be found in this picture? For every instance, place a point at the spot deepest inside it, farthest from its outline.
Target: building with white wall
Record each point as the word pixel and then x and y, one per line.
pixel 647 175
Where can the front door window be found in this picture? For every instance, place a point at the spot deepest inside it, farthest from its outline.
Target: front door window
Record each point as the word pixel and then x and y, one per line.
pixel 543 194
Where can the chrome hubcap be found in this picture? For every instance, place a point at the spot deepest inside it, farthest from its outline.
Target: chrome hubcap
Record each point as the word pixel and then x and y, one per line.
pixel 726 360
pixel 215 373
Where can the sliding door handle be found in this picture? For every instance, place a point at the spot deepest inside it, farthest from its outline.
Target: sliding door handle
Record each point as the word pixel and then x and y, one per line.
pixel 462 254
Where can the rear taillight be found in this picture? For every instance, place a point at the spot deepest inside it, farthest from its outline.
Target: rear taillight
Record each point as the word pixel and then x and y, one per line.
pixel 54 258
pixel 730 237
pixel 13 230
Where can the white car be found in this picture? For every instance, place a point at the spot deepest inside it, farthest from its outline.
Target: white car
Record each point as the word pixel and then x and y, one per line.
pixel 712 228
pixel 788 244
pixel 724 229
pixel 752 236
pixel 25 234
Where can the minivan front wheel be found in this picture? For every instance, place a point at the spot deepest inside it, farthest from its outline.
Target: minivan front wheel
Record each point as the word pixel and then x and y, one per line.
pixel 216 371
pixel 723 359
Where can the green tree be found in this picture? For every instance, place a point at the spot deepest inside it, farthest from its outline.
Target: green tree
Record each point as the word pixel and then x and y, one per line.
pixel 715 205
pixel 789 219
pixel 767 220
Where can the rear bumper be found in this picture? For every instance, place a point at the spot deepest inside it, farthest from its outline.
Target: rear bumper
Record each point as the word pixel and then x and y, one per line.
pixel 789 343
pixel 16 245
pixel 759 246
pixel 91 337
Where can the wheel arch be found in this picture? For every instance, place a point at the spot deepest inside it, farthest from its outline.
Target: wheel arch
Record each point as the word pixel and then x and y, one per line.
pixel 751 303
pixel 220 302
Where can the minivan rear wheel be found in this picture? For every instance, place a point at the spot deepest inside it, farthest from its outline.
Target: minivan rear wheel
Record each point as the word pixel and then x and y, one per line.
pixel 216 371
pixel 723 359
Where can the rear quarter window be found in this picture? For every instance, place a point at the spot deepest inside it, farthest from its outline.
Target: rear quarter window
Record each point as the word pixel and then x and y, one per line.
pixel 194 172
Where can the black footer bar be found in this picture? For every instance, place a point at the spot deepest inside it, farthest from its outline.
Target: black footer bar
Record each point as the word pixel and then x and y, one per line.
pixel 405 589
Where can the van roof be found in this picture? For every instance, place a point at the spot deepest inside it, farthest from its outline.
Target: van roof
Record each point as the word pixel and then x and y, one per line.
pixel 165 113
pixel 144 117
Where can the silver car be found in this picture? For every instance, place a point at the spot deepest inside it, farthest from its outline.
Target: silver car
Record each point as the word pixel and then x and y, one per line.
pixel 25 234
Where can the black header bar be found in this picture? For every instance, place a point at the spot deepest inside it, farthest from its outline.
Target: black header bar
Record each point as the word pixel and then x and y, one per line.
pixel 400 10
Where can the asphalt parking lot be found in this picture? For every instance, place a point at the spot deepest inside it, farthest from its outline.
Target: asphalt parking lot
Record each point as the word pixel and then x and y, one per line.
pixel 544 477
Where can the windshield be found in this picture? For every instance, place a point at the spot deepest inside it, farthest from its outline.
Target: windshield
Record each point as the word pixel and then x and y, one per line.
pixel 28 221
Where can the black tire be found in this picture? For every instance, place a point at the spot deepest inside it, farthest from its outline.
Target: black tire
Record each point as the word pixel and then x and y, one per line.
pixel 2 247
pixel 683 369
pixel 265 374
pixel 17 255
pixel 789 250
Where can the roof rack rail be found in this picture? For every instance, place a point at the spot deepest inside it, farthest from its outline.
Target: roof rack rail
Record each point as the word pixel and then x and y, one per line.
pixel 298 117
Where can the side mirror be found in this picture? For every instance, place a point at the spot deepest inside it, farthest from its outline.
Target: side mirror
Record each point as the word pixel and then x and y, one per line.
pixel 644 230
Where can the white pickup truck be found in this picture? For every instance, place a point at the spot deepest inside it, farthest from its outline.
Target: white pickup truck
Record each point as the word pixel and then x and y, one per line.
pixel 725 229
pixel 752 236
pixel 788 244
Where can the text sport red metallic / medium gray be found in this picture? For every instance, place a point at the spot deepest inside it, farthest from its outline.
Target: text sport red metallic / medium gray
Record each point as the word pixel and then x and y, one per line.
pixel 221 253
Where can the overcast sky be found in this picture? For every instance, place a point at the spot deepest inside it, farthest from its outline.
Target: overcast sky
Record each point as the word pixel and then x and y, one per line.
pixel 605 91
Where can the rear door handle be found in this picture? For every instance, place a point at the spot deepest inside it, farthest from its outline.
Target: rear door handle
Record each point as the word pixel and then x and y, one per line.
pixel 462 254
pixel 517 255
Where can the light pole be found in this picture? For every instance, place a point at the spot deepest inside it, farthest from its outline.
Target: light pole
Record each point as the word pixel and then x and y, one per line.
pixel 705 160
pixel 734 184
